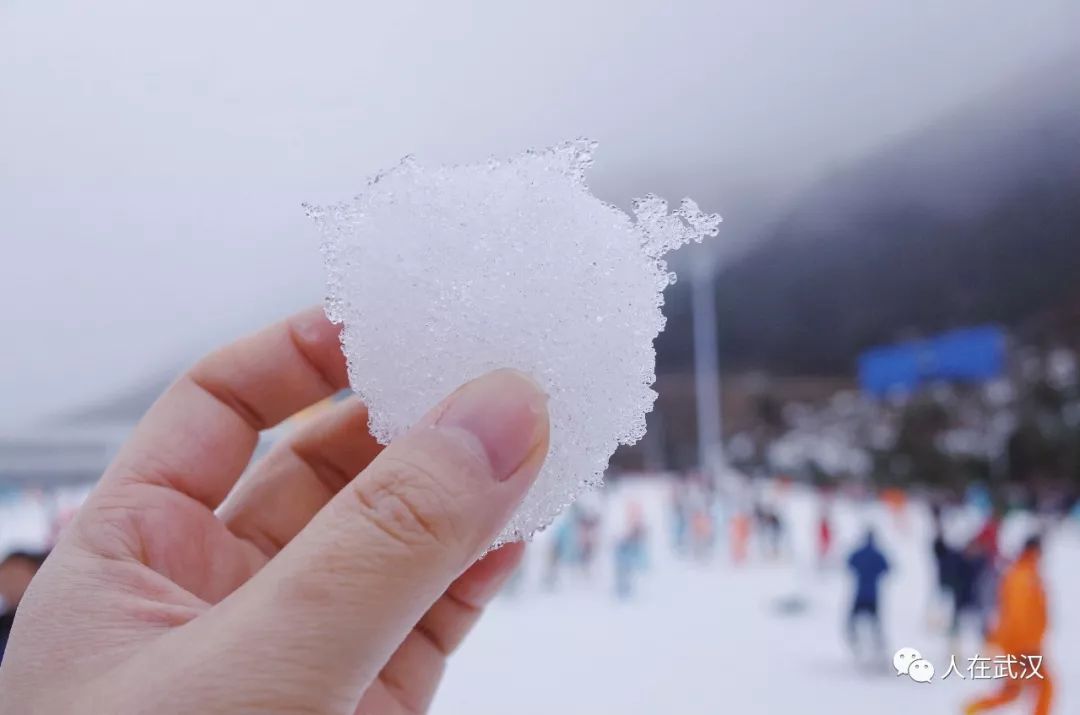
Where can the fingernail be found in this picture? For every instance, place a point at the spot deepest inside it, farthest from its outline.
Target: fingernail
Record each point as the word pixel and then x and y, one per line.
pixel 507 412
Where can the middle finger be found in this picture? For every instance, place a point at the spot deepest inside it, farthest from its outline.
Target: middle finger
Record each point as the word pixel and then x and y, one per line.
pixel 299 476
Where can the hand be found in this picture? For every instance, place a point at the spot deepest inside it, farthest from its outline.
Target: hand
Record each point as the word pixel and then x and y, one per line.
pixel 335 577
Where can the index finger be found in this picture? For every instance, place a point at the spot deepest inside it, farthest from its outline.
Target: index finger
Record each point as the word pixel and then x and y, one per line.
pixel 199 436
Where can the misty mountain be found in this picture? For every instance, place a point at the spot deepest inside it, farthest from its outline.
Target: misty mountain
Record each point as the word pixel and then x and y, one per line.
pixel 973 219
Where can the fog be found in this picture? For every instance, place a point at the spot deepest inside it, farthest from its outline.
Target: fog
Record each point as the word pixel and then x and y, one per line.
pixel 153 156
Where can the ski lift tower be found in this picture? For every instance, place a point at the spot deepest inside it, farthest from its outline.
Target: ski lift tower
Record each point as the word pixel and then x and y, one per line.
pixel 706 365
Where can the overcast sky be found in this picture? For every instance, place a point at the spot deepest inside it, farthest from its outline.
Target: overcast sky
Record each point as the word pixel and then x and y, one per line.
pixel 153 156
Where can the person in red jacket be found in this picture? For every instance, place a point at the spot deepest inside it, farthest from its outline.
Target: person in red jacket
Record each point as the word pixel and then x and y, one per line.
pixel 824 536
pixel 1019 632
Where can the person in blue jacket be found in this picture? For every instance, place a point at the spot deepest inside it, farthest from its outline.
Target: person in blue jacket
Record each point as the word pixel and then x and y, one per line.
pixel 868 565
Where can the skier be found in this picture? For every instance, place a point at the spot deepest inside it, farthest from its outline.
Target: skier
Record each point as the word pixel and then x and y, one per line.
pixel 630 551
pixel 1019 632
pixel 943 562
pixel 869 565
pixel 770 529
pixel 589 535
pixel 966 571
pixel 563 549
pixel 680 521
pixel 986 543
pixel 740 537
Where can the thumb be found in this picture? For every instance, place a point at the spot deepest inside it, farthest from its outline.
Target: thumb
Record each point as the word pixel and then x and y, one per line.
pixel 340 598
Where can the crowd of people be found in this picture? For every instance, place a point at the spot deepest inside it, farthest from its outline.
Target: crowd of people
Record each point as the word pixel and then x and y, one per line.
pixel 984 597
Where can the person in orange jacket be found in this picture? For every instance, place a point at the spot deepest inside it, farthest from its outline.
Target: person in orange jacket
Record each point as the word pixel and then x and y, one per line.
pixel 1019 631
pixel 740 537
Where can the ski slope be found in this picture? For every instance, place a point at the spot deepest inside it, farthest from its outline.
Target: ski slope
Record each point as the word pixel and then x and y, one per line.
pixel 711 638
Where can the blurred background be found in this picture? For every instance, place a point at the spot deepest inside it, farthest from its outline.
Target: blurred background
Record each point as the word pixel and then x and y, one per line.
pixel 884 337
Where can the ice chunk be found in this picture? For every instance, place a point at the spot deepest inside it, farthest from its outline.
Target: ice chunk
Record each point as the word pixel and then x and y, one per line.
pixel 441 274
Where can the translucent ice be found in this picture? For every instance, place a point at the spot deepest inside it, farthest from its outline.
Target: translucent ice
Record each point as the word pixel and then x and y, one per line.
pixel 441 274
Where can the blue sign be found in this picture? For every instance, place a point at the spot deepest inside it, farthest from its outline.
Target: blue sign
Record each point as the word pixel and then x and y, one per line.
pixel 967 355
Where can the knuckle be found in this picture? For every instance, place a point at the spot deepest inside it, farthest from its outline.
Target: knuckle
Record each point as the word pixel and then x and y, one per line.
pixel 405 501
pixel 110 526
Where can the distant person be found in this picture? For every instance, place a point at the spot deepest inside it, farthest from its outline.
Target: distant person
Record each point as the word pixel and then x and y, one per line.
pixel 966 571
pixel 943 564
pixel 775 531
pixel 680 520
pixel 824 536
pixel 589 537
pixel 868 565
pixel 740 537
pixel 16 572
pixel 564 549
pixel 1019 631
pixel 630 551
pixel 986 543
pixel 771 529
pixel 702 530
pixel 987 536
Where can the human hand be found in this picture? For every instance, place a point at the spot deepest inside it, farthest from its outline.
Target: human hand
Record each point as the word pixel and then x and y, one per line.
pixel 335 577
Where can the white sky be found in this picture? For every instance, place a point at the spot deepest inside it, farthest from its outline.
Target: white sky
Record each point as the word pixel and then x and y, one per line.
pixel 153 155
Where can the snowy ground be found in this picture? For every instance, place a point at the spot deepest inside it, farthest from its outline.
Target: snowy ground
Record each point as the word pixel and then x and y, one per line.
pixel 711 638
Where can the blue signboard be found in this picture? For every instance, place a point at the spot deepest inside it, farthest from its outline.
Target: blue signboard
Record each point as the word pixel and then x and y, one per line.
pixel 967 355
